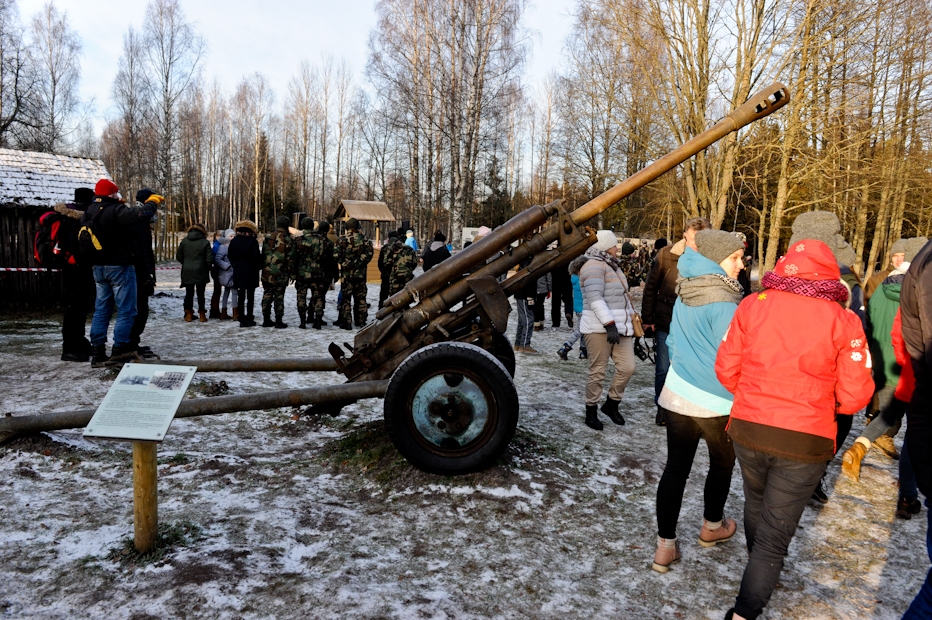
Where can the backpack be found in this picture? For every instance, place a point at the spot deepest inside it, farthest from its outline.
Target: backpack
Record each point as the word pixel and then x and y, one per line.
pixel 89 235
pixel 54 244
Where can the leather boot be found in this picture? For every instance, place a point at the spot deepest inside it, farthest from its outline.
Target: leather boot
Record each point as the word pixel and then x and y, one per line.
pixel 851 461
pixel 279 324
pixel 610 408
pixel 592 418
pixel 235 314
pixel 99 355
pixel 267 320
pixel 318 322
pixel 709 537
pixel 224 316
pixel 302 314
pixel 188 316
pixel 203 316
pixel 667 553
pixel 215 307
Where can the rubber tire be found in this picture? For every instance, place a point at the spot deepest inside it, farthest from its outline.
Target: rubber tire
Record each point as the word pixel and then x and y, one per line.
pixel 504 352
pixel 487 371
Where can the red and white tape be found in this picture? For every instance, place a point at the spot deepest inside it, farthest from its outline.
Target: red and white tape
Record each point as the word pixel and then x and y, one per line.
pixel 27 269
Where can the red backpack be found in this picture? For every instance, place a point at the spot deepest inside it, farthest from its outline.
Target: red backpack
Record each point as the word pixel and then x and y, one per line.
pixel 55 243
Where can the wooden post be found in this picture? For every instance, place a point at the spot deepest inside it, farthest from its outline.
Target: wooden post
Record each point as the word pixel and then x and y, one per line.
pixel 145 495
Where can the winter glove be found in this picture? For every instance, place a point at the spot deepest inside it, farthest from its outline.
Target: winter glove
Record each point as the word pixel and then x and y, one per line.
pixel 156 198
pixel 611 334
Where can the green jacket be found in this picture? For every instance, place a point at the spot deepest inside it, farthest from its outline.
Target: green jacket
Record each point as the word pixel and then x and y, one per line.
pixel 306 253
pixel 276 248
pixel 196 257
pixel 881 311
pixel 353 253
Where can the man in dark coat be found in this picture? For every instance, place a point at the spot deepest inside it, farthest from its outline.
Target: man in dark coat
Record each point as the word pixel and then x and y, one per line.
pixel 78 281
pixel 196 258
pixel 916 317
pixel 111 220
pixel 659 297
pixel 436 252
pixel 246 259
pixel 145 276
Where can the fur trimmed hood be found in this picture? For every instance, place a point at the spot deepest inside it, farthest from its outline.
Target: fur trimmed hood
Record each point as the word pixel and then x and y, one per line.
pixel 246 224
pixel 197 227
pixel 67 211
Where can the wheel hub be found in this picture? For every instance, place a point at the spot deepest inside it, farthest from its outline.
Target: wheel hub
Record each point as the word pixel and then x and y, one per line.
pixel 450 410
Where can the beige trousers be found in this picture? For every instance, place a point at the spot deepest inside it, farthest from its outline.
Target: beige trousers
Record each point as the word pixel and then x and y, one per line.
pixel 600 351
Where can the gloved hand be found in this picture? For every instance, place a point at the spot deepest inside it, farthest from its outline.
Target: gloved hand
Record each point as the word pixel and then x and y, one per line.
pixel 148 288
pixel 611 334
pixel 156 198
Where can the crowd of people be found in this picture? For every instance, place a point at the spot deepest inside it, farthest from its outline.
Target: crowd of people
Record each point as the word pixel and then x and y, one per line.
pixel 733 367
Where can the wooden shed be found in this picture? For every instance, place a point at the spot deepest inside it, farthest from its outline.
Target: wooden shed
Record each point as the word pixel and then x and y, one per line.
pixel 31 184
pixel 372 217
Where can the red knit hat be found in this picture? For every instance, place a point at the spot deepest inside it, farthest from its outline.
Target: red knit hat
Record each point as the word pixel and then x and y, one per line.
pixel 105 187
pixel 808 259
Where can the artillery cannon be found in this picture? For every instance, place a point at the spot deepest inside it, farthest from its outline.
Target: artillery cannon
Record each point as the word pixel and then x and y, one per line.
pixel 436 350
pixel 451 405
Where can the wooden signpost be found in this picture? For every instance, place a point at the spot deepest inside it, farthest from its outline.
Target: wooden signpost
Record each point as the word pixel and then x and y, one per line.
pixel 139 407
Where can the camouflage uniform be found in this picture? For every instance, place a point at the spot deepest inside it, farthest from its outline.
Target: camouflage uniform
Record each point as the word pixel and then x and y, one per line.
pixel 275 275
pixel 329 272
pixel 403 262
pixel 306 252
pixel 353 253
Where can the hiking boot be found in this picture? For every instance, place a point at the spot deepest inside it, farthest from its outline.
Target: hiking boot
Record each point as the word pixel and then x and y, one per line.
pixel 74 357
pixel 592 418
pixel 279 324
pixel 318 323
pixel 303 317
pixel 884 443
pixel 203 316
pixel 851 461
pixel 709 537
pixel 99 355
pixel 267 321
pixel 529 350
pixel 146 352
pixel 610 408
pixel 562 352
pixel 583 353
pixel 214 313
pixel 188 316
pixel 906 508
pixel 661 418
pixel 819 494
pixel 235 314
pixel 224 316
pixel 667 553
pixel 569 321
pixel 124 353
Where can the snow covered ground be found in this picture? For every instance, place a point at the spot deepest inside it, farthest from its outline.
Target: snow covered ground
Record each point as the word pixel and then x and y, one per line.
pixel 293 516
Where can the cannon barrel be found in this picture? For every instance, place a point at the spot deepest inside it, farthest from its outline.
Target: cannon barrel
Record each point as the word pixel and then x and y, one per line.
pixel 307 364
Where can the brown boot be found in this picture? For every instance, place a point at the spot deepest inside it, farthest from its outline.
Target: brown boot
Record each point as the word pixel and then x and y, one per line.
pixel 235 314
pixel 667 553
pixel 203 315
pixel 224 316
pixel 709 537
pixel 884 443
pixel 188 316
pixel 851 461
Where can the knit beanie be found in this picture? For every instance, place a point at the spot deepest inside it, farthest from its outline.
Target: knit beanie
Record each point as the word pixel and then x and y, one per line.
pixel 352 223
pixel 606 240
pixel 324 227
pixel 717 245
pixel 144 194
pixel 83 195
pixel 627 249
pixel 660 243
pixel 393 234
pixel 899 247
pixel 307 223
pixel 105 187
pixel 912 247
pixel 824 226
pixel 439 236
pixel 282 221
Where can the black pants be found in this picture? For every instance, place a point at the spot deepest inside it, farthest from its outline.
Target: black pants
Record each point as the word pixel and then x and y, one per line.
pixel 142 309
pixel 683 434
pixel 189 296
pixel 776 491
pixel 245 300
pixel 539 307
pixel 79 290
pixel 561 302
pixel 218 290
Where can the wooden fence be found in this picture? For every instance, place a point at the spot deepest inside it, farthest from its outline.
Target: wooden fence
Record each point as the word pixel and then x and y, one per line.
pixel 30 289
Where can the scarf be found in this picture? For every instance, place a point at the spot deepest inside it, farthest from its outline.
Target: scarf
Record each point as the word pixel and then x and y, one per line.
pixel 709 289
pixel 603 256
pixel 831 290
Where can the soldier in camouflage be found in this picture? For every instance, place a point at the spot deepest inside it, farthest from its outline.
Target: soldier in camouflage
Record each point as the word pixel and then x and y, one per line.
pixel 306 251
pixel 403 262
pixel 328 273
pixel 385 266
pixel 353 253
pixel 276 274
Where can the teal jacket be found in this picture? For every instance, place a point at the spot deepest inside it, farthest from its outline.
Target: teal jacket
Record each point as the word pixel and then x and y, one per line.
pixel 881 311
pixel 695 335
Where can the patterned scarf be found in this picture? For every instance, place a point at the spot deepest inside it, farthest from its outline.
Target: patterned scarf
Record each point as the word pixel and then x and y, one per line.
pixel 831 290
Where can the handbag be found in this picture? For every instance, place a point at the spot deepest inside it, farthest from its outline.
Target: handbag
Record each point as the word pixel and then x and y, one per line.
pixel 637 327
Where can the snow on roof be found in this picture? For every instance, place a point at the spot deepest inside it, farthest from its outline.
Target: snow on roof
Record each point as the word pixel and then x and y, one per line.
pixel 364 211
pixel 29 179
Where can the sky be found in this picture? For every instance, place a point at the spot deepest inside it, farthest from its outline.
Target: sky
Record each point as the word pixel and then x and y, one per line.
pixel 271 37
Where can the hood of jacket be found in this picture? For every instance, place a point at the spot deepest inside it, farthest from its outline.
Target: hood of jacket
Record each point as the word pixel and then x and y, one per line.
pixel 679 247
pixel 69 210
pixel 891 287
pixel 195 233
pixel 692 264
pixel 576 264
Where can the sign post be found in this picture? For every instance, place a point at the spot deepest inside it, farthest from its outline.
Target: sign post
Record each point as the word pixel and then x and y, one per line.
pixel 140 406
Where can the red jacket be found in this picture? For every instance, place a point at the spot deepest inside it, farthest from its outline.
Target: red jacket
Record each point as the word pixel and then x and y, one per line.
pixel 792 361
pixel 907 383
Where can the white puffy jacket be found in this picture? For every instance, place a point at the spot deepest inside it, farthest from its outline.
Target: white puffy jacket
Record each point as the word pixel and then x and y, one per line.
pixel 604 289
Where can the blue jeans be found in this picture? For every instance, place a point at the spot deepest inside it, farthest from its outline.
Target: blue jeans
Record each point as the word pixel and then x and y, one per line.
pixel 525 322
pixel 663 362
pixel 776 491
pixel 116 285
pixel 921 607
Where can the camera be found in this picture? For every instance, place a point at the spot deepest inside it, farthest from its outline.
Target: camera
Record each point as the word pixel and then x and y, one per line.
pixel 639 350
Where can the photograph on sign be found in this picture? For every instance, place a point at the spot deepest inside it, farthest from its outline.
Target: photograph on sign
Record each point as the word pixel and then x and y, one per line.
pixel 141 403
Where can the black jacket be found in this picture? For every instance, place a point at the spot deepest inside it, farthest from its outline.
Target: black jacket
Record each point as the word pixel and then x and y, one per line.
pixel 245 258
pixel 916 317
pixel 435 254
pixel 115 226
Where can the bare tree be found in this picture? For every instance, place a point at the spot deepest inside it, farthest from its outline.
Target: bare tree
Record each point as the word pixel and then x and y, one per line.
pixel 17 74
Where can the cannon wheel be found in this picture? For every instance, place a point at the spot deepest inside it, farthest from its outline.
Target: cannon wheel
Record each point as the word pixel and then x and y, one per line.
pixel 451 408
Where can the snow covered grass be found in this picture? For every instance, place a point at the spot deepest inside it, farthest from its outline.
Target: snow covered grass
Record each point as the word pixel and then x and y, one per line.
pixel 302 516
